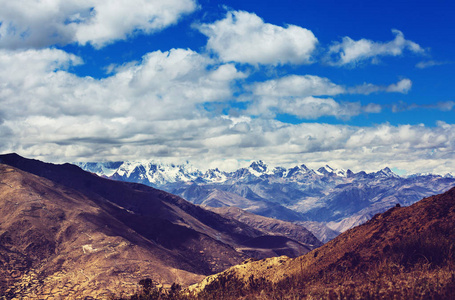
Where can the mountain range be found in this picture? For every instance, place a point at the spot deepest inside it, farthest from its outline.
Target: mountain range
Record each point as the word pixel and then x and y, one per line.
pixel 327 200
pixel 68 233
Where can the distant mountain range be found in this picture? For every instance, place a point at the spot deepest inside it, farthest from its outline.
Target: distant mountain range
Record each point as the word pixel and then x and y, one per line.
pixel 327 200
pixel 66 233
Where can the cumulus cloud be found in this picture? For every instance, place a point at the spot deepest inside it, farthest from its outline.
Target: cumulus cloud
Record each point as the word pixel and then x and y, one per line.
pixel 351 52
pixel 150 109
pixel 153 102
pixel 157 107
pixel 244 37
pixel 177 79
pixel 403 86
pixel 310 108
pixel 37 24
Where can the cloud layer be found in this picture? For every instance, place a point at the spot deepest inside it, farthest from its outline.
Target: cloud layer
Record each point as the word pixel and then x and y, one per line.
pixel 153 109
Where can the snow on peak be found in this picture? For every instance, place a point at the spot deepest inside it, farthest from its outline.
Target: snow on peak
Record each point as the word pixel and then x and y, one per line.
pixel 386 172
pixel 215 175
pixel 329 171
pixel 341 172
pixel 100 168
pixel 259 168
pixel 297 171
pixel 325 170
pixel 157 173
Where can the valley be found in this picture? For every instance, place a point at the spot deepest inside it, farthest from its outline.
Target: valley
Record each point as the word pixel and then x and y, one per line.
pixel 328 200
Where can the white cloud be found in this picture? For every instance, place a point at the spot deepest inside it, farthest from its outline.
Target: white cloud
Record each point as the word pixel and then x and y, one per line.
pixel 295 85
pixel 153 109
pixel 430 63
pixel 45 109
pixel 37 24
pixel 311 85
pixel 296 95
pixel 445 105
pixel 310 108
pixel 403 86
pixel 244 37
pixel 314 108
pixel 372 108
pixel 163 85
pixel 356 148
pixel 350 52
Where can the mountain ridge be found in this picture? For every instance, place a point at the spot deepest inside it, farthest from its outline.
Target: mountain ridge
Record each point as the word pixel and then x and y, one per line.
pixel 330 197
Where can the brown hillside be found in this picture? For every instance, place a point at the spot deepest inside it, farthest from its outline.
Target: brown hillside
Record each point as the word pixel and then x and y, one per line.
pixel 405 252
pixel 56 241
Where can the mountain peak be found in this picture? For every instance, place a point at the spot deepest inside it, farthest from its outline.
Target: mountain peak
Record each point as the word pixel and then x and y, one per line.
pixel 258 168
pixel 303 167
pixel 386 172
pixel 329 171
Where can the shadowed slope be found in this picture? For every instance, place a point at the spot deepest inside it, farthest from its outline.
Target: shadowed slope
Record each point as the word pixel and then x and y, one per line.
pixel 269 225
pixel 54 240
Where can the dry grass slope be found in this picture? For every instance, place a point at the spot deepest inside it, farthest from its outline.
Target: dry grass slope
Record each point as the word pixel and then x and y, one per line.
pixel 404 253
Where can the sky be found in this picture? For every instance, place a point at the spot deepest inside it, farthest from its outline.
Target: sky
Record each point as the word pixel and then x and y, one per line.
pixel 354 84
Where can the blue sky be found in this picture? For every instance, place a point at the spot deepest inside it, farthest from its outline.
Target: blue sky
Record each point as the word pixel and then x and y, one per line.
pixel 354 84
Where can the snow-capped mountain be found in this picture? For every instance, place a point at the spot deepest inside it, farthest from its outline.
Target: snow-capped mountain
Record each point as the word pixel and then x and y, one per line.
pixel 147 172
pixel 340 198
pixel 329 171
pixel 385 173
